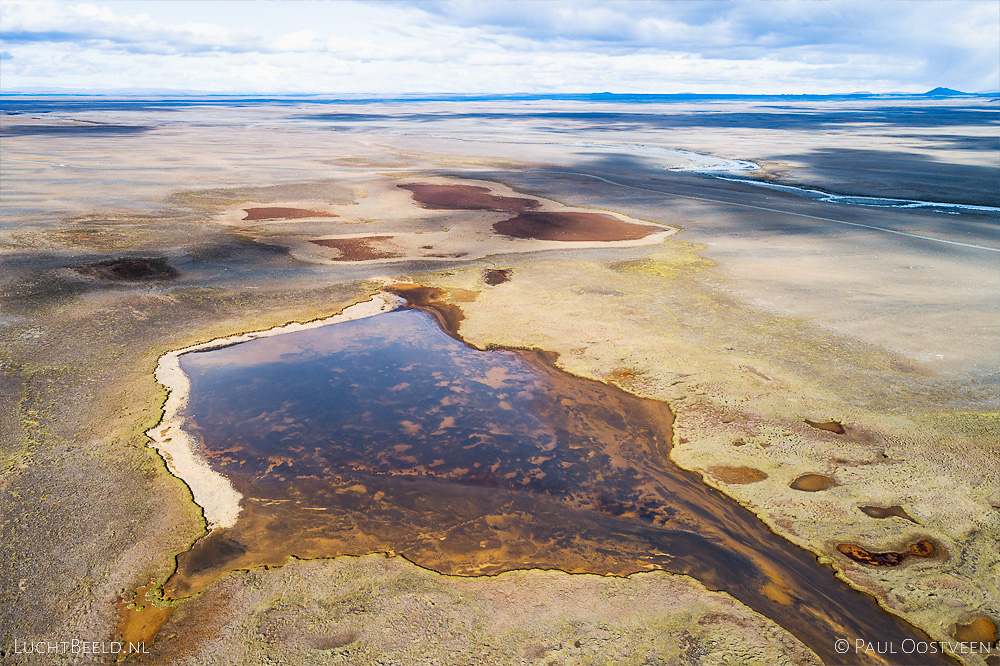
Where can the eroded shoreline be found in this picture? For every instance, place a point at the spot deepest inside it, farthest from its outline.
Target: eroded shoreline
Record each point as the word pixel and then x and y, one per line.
pixel 774 578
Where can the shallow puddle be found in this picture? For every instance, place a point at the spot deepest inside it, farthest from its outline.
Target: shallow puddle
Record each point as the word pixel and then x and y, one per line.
pixel 887 512
pixel 812 483
pixel 390 434
pixel 836 427
pixel 923 548
pixel 977 630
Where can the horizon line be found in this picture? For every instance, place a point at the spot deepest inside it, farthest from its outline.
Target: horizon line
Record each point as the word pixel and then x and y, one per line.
pixel 945 92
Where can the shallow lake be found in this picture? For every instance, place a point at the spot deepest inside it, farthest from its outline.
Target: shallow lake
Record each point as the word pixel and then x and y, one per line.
pixel 386 434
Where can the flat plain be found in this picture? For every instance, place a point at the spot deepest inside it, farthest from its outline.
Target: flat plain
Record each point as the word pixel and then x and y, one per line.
pixel 806 288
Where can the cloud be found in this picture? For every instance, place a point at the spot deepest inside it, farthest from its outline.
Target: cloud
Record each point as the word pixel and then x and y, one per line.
pixel 45 21
pixel 779 46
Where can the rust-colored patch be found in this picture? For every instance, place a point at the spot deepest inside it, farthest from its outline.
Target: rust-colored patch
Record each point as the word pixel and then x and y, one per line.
pixel 886 512
pixel 457 295
pixel 281 213
pixel 922 548
pixel 571 226
pixel 465 197
pixel 812 483
pixel 361 248
pixel 736 475
pixel 140 620
pixel 977 630
pixel 496 276
pixel 830 426
pixel 432 300
pixel 624 374
pixel 859 554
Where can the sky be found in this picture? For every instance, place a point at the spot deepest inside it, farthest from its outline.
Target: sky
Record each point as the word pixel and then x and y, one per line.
pixel 501 46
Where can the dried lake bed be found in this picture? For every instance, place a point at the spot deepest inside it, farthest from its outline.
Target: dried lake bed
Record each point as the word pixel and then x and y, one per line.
pixel 747 312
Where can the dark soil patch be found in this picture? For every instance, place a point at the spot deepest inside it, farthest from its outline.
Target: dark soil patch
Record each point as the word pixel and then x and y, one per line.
pixel 496 276
pixel 466 197
pixel 131 269
pixel 281 213
pixel 571 226
pixel 364 248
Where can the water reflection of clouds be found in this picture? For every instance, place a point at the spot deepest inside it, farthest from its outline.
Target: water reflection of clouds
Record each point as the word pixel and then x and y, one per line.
pixel 369 448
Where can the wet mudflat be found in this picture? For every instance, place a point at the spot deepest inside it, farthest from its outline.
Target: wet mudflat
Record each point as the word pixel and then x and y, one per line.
pixel 572 226
pixel 282 213
pixel 528 223
pixel 388 434
pixel 362 248
pixel 465 197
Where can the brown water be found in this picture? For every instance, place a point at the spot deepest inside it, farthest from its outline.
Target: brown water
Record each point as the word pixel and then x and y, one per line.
pixel 812 483
pixel 887 512
pixel 389 434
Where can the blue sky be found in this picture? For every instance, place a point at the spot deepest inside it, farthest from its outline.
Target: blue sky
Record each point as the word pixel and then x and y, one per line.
pixel 738 46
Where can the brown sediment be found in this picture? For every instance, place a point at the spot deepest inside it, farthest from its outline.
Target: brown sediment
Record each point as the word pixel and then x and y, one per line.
pixel 432 300
pixel 495 276
pixel 571 226
pixel 465 197
pixel 589 488
pixel 736 475
pixel 137 269
pixel 812 483
pixel 922 548
pixel 887 512
pixel 624 374
pixel 361 248
pixel 457 295
pixel 977 630
pixel 140 620
pixel 830 426
pixel 281 213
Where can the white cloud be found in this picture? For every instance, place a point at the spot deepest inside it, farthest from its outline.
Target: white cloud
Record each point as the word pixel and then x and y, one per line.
pixel 779 46
pixel 99 27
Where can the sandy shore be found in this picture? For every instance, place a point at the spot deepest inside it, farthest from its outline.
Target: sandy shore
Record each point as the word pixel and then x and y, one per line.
pixel 212 491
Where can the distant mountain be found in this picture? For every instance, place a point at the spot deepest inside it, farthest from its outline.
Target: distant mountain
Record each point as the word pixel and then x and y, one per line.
pixel 943 92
